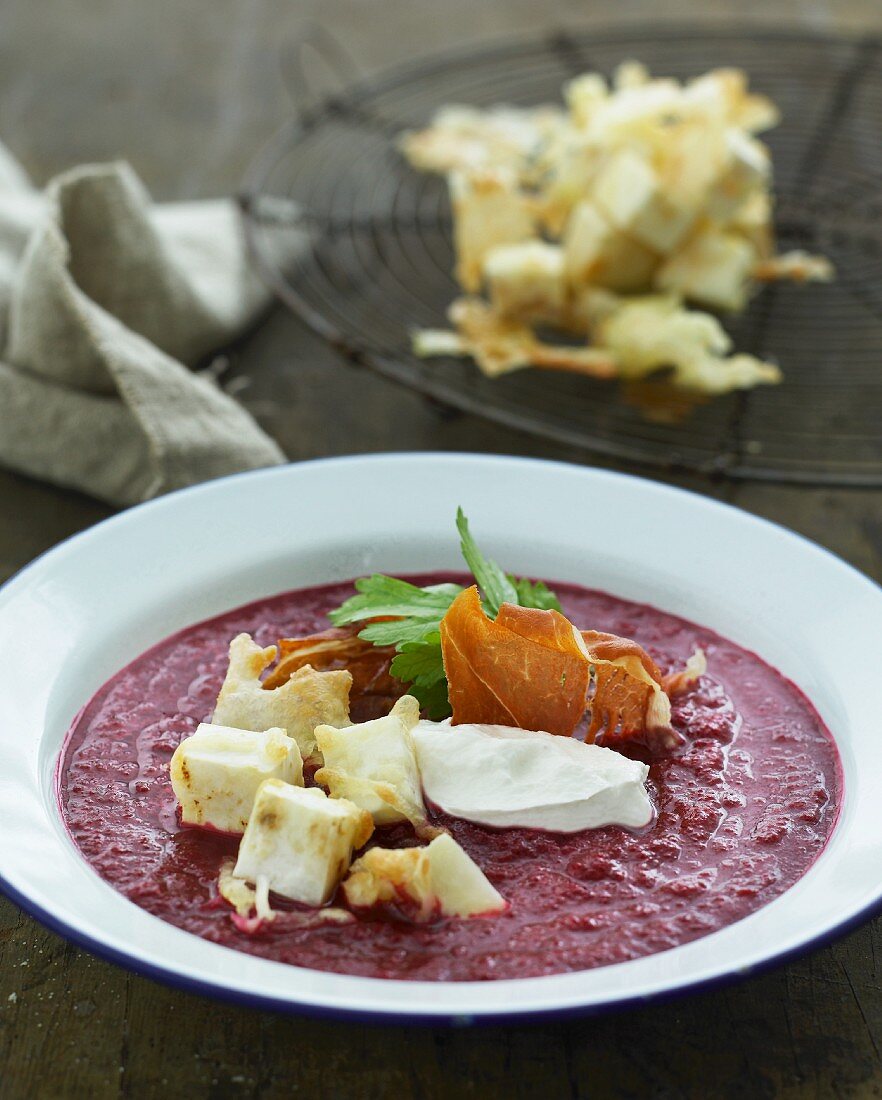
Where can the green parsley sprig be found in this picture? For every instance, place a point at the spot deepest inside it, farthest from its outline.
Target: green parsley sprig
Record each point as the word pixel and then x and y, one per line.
pixel 411 617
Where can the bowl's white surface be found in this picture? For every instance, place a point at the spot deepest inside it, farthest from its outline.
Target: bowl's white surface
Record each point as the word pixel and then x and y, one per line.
pixel 77 615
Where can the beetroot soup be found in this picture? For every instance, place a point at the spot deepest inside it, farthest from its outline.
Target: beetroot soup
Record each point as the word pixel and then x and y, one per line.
pixel 743 809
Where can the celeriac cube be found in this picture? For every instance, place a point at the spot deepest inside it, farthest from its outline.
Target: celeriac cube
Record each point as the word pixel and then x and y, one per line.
pixel 713 268
pixel 569 169
pixel 747 172
pixel 458 883
pixel 583 94
pixel 595 251
pixel 691 159
pixel 373 764
pixel 753 221
pixel 300 842
pixel 440 880
pixel 488 210
pixel 634 113
pixel 296 706
pixel 628 192
pixel 722 93
pixel 526 280
pixel 630 74
pixel 216 772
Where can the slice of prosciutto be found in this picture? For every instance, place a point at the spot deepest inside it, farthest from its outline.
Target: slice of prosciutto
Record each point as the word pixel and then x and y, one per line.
pixel 628 695
pixel 526 668
pixel 533 669
pixel 374 689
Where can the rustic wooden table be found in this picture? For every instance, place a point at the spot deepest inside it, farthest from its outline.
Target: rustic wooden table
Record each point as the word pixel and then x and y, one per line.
pixel 187 92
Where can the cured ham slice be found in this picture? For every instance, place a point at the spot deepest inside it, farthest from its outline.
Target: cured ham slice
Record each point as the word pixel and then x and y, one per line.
pixel 524 669
pixel 532 669
pixel 628 695
pixel 374 689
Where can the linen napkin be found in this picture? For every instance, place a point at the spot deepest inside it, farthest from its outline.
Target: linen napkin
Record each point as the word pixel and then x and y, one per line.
pixel 106 301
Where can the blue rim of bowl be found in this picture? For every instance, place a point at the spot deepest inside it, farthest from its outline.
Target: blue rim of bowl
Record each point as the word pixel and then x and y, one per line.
pixel 175 980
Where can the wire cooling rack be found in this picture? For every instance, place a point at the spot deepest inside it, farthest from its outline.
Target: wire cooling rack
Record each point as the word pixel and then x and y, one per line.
pixel 374 253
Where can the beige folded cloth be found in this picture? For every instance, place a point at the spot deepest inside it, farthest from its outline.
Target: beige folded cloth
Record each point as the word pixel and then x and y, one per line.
pixel 104 297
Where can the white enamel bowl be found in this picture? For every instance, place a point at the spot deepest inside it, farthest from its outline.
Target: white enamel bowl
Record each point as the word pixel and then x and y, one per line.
pixel 80 613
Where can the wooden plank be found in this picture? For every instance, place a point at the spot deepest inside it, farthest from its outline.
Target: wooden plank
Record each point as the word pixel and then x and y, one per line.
pixel 62 1014
pixel 847 522
pixel 35 517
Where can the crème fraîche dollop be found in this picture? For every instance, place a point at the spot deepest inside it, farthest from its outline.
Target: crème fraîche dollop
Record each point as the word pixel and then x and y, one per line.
pixel 506 777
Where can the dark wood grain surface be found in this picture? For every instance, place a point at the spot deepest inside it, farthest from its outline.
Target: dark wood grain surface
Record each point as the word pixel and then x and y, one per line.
pixel 187 92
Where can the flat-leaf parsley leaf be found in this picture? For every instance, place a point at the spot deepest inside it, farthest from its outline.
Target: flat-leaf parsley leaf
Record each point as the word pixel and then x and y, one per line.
pixel 397 613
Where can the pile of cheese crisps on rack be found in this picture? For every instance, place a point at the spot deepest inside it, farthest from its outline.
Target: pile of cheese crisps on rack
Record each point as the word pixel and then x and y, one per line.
pixel 603 219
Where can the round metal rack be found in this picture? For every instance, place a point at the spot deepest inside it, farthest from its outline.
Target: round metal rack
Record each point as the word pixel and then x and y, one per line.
pixel 359 245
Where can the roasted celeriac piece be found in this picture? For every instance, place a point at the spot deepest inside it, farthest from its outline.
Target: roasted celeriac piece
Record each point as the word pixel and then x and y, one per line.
pixel 598 253
pixel 714 269
pixel 299 842
pixel 630 193
pixel 373 765
pixel 527 281
pixel 297 706
pixel 438 880
pixel 490 210
pixel 636 187
pixel 216 772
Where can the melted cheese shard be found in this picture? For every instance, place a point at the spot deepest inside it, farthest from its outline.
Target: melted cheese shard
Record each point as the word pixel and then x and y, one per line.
pixel 798 266
pixel 300 842
pixel 243 897
pixel 632 337
pixel 650 332
pixel 307 699
pixel 515 778
pixel 373 765
pixel 676 683
pixel 469 139
pixel 713 268
pixel 217 771
pixel 253 909
pixel 500 345
pixel 423 883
